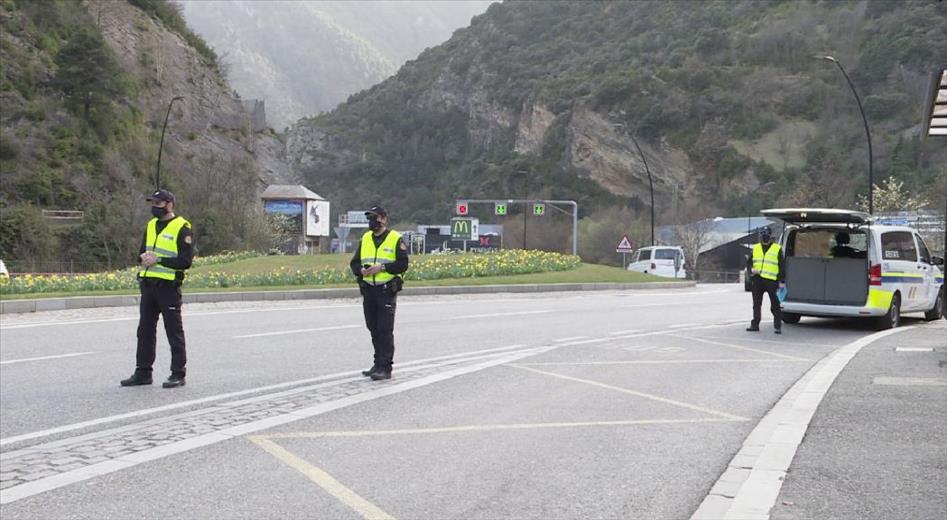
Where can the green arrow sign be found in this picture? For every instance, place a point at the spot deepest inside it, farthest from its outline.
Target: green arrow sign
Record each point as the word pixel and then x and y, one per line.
pixel 539 209
pixel 499 208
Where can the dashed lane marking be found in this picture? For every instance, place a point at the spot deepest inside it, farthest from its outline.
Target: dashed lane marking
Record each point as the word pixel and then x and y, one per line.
pixel 574 338
pixel 635 393
pixel 498 314
pixel 24 360
pixel 296 331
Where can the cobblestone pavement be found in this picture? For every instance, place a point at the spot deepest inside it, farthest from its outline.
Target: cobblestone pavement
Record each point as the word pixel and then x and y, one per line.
pixel 87 455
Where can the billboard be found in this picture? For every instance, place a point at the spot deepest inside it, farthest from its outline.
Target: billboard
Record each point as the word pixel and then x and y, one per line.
pixel 291 209
pixel 317 218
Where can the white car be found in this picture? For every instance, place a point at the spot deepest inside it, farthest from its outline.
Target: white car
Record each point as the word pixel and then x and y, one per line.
pixel 666 261
pixel 840 264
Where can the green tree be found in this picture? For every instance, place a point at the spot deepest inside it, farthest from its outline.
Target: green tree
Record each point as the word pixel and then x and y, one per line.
pixel 89 76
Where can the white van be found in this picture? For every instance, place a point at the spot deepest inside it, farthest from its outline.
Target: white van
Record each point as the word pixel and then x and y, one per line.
pixel 666 261
pixel 840 264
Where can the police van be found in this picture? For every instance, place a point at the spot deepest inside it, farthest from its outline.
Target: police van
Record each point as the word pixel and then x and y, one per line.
pixel 840 264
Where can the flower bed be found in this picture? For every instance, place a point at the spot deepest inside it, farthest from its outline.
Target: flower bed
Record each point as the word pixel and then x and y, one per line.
pixel 424 267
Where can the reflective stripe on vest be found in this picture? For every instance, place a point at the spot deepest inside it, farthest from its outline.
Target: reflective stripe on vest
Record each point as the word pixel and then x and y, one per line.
pixel 767 265
pixel 385 254
pixel 163 245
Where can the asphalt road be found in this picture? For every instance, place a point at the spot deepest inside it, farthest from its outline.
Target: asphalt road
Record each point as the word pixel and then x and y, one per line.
pixel 579 405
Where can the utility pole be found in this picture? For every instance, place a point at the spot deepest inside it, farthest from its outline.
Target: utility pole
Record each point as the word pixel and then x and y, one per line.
pixel 161 144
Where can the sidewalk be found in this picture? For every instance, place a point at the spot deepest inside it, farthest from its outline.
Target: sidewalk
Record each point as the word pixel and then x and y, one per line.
pixel 84 302
pixel 877 445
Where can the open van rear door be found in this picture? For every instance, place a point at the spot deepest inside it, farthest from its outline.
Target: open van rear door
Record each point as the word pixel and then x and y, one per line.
pixel 818 216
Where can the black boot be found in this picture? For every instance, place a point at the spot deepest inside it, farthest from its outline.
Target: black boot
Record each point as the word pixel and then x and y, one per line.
pixel 174 381
pixel 381 373
pixel 753 328
pixel 137 379
pixel 370 371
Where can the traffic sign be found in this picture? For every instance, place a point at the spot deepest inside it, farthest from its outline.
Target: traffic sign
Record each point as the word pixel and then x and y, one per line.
pixel 624 246
pixel 462 207
pixel 464 228
pixel 539 209
pixel 499 208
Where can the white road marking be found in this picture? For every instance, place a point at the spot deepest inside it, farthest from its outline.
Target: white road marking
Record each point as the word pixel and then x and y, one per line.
pixel 296 331
pixel 486 428
pixel 914 349
pixel 498 314
pixel 769 449
pixel 560 340
pixel 635 393
pixel 621 332
pixel 639 305
pixel 909 381
pixel 682 325
pixel 737 347
pixel 657 362
pixel 11 361
pixel 149 411
pixel 43 485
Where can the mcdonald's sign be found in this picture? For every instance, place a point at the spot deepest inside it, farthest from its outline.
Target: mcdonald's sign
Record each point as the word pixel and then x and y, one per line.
pixel 462 229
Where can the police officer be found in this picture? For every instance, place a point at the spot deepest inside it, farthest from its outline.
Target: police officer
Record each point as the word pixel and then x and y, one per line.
pixel 380 257
pixel 769 274
pixel 166 252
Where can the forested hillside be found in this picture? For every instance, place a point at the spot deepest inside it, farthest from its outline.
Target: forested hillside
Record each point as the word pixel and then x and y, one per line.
pixel 727 101
pixel 84 89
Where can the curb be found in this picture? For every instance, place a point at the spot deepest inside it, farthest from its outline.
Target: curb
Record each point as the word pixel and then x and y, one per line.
pixel 85 302
pixel 749 486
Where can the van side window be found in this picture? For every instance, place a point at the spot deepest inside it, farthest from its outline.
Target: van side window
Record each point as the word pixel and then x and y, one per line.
pixel 644 254
pixel 925 254
pixel 898 245
pixel 665 254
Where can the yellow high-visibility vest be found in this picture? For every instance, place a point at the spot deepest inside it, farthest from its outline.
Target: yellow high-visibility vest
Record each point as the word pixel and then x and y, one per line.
pixel 385 254
pixel 767 265
pixel 163 245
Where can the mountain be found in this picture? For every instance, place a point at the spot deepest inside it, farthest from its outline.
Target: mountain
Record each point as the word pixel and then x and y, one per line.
pixel 85 89
pixel 727 102
pixel 305 57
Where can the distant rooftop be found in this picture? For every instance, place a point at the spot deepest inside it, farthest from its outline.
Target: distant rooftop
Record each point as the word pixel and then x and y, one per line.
pixel 289 191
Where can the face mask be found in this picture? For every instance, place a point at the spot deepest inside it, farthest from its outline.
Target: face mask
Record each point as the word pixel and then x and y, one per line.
pixel 374 224
pixel 158 212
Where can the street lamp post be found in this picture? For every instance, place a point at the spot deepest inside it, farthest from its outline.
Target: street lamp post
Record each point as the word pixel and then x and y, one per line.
pixel 650 180
pixel 871 180
pixel 161 144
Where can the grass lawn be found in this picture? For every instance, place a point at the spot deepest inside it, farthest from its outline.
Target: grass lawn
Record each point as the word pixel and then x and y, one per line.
pixel 585 273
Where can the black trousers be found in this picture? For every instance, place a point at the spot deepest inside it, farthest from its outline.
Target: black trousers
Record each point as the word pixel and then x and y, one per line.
pixel 760 286
pixel 379 304
pixel 160 297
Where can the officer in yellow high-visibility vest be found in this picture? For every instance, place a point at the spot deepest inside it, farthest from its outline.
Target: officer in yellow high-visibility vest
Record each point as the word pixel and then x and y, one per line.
pixel 380 257
pixel 166 252
pixel 768 266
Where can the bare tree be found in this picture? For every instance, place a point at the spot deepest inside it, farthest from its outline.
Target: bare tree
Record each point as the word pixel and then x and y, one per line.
pixel 692 238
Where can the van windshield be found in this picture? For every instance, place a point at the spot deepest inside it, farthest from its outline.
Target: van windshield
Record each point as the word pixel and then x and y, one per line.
pixel 827 243
pixel 665 254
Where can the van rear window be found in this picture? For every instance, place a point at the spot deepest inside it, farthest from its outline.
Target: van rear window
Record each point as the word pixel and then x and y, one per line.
pixel 827 243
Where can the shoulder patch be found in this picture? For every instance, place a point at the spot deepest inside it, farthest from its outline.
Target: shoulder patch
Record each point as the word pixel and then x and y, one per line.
pixel 187 239
pixel 402 246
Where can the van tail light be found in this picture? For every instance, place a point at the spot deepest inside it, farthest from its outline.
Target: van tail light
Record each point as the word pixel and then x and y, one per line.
pixel 653 266
pixel 874 274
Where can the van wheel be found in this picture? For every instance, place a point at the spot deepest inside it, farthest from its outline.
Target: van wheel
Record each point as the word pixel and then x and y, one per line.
pixel 938 310
pixel 791 318
pixel 893 318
